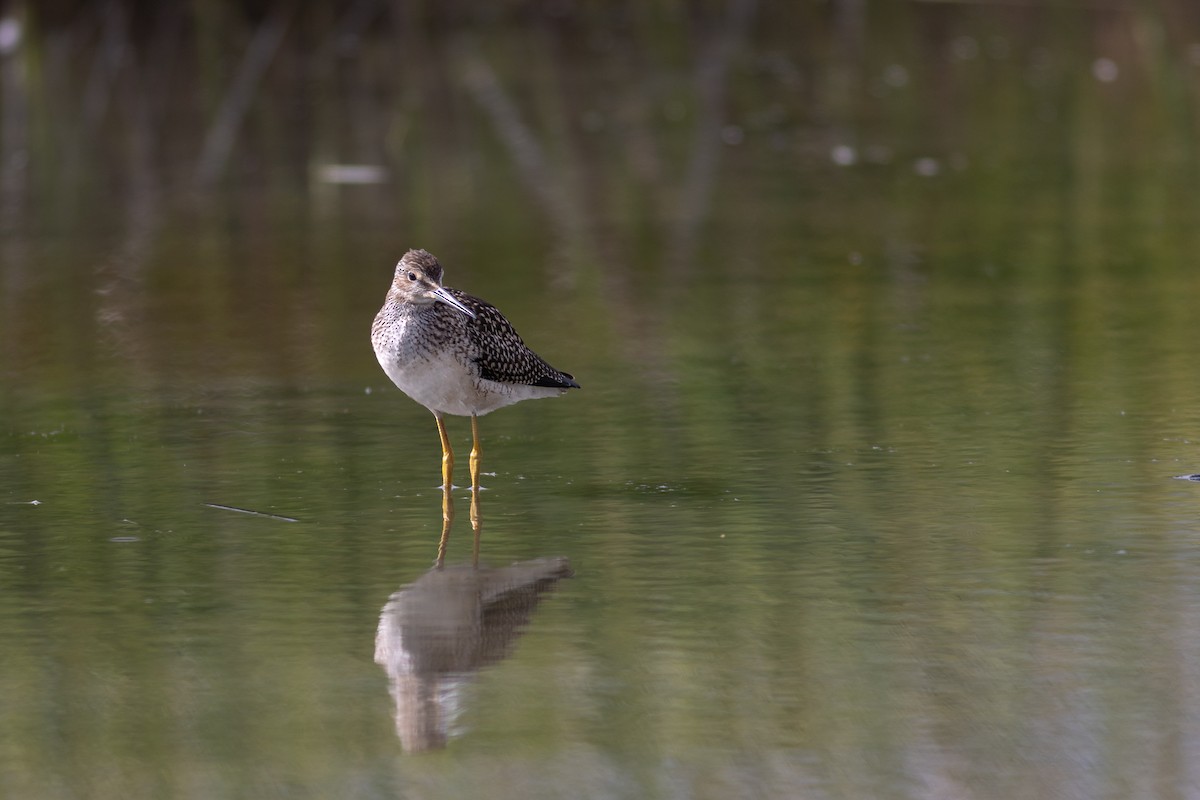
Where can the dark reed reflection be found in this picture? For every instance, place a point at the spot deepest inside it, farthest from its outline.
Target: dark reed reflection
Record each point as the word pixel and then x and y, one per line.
pixel 435 633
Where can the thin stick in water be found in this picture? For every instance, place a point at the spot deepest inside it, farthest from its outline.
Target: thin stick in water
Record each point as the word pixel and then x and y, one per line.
pixel 248 511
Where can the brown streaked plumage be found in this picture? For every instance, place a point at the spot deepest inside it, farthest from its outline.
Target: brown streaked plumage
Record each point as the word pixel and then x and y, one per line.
pixel 454 353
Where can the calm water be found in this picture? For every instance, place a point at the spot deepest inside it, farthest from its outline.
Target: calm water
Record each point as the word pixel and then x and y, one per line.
pixel 887 340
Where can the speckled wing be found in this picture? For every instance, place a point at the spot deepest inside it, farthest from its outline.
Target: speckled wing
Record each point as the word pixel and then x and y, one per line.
pixel 502 356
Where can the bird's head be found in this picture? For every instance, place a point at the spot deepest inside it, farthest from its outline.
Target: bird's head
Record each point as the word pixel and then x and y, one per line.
pixel 418 280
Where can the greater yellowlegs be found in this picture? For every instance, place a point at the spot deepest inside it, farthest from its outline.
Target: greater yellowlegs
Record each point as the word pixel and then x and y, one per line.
pixel 455 354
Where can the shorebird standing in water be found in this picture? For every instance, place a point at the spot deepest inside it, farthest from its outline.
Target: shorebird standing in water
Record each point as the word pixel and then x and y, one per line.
pixel 455 354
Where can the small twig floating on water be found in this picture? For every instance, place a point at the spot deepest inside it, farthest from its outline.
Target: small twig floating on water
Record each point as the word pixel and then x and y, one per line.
pixel 248 511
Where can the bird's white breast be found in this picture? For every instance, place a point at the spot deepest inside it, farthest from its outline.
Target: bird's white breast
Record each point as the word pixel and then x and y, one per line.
pixel 440 379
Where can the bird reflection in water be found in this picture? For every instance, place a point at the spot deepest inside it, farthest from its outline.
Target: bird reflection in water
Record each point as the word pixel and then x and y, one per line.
pixel 454 620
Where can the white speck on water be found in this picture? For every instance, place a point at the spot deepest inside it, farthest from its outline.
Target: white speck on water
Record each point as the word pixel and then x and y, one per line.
pixel 10 35
pixel 927 167
pixel 843 155
pixel 1105 70
pixel 352 174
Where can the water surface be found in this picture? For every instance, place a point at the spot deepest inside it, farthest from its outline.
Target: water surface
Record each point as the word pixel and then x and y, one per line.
pixel 886 334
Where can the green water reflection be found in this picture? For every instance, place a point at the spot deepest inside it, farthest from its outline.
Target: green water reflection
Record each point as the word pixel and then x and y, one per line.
pixel 886 323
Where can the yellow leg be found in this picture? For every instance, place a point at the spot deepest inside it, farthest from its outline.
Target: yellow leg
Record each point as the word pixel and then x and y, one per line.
pixel 476 517
pixel 476 454
pixel 447 520
pixel 447 455
pixel 477 525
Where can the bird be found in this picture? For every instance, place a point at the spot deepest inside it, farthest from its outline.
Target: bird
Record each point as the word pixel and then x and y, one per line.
pixel 455 354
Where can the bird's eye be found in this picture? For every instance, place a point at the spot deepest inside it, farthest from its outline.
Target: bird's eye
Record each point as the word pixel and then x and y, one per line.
pixel 412 276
